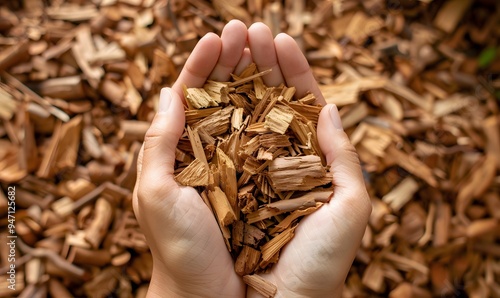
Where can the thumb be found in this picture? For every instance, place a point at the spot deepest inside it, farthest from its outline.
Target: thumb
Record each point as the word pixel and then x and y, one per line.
pixel 160 141
pixel 350 189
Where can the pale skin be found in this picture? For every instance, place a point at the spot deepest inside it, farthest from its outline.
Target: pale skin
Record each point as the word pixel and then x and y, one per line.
pixel 189 254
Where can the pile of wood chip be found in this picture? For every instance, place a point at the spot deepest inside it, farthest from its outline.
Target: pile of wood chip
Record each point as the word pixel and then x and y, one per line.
pixel 417 84
pixel 257 162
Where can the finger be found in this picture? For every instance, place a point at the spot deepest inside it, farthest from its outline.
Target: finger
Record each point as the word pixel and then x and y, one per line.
pixel 350 189
pixel 200 63
pixel 245 60
pixel 261 44
pixel 295 68
pixel 158 158
pixel 234 38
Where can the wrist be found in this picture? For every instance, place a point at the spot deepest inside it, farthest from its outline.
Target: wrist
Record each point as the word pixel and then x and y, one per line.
pixel 165 284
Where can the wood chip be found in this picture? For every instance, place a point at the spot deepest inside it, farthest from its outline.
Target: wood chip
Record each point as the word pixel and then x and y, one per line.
pixel 297 173
pixel 196 174
pixel 401 194
pixel 222 207
pixel 262 286
pixel 279 119
pixel 247 261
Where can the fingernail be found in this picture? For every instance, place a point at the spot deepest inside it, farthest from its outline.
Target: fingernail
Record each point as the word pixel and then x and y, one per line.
pixel 335 117
pixel 165 100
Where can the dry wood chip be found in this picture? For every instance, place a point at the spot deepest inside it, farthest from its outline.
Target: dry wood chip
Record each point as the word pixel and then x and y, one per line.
pixel 262 286
pixel 297 173
pixel 272 248
pixel 222 207
pixel 247 261
pixel 196 174
pixel 401 194
pixel 214 89
pixel 217 123
pixel 279 119
pixel 198 98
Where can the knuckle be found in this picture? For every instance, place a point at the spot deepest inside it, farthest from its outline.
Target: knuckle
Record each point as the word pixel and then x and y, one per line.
pixel 351 152
pixel 152 138
pixel 152 190
pixel 345 150
pixel 147 192
pixel 158 136
pixel 357 198
pixel 141 192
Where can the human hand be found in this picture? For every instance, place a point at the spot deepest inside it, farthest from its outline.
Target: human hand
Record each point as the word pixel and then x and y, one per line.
pixel 189 254
pixel 316 261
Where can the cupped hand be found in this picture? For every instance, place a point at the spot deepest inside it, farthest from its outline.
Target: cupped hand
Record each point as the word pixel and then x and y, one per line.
pixel 189 255
pixel 316 261
pixel 190 258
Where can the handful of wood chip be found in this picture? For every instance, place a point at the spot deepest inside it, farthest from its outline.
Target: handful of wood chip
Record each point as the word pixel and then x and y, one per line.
pixel 252 153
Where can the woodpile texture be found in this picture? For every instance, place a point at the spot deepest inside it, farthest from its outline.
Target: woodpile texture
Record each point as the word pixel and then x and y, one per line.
pixel 417 84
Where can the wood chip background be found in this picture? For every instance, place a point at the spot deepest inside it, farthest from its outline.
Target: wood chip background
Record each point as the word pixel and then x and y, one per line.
pixel 417 84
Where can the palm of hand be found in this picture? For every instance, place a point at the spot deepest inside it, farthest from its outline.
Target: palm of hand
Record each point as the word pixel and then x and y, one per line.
pixel 316 261
pixel 193 252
